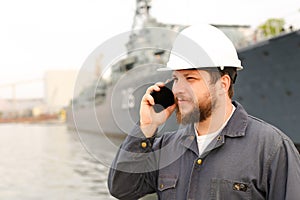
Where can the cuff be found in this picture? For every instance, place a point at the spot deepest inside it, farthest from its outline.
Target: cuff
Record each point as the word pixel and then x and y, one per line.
pixel 137 142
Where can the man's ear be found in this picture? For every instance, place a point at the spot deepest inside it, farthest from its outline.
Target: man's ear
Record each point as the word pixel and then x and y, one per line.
pixel 225 82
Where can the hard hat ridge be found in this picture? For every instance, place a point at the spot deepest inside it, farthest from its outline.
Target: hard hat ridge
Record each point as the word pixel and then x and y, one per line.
pixel 202 46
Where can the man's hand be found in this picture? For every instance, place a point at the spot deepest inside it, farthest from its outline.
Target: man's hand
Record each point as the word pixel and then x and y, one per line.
pixel 149 119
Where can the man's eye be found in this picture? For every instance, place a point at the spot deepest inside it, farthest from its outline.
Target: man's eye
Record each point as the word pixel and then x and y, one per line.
pixel 190 78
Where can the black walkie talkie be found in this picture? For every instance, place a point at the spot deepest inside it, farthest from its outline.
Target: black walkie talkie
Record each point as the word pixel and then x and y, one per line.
pixel 164 98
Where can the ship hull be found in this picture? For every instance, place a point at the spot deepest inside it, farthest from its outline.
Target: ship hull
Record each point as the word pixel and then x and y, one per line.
pixel 269 85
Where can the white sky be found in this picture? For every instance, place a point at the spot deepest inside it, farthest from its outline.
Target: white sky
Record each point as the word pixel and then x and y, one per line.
pixel 37 35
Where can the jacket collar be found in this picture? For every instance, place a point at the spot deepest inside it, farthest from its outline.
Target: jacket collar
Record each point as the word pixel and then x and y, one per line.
pixel 237 124
pixel 236 127
pixel 188 139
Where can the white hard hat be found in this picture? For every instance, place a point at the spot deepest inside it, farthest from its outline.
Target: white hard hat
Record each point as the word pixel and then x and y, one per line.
pixel 202 46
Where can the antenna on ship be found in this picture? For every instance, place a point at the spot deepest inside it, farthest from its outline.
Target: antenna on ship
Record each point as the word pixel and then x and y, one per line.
pixel 141 14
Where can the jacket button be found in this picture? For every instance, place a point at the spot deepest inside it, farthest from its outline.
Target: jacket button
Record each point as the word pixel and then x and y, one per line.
pixel 144 144
pixel 240 187
pixel 161 186
pixel 191 137
pixel 199 161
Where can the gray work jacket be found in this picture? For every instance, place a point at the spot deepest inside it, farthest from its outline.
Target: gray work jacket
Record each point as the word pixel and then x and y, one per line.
pixel 250 159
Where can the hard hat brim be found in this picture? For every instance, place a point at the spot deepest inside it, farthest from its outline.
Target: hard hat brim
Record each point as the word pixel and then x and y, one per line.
pixel 162 69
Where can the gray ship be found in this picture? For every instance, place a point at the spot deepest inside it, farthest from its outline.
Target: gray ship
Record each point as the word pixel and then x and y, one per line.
pixel 110 104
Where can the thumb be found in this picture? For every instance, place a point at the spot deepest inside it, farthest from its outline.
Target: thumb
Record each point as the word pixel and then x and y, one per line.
pixel 169 110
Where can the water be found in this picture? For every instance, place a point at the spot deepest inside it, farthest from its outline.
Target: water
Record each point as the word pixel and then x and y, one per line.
pixel 48 161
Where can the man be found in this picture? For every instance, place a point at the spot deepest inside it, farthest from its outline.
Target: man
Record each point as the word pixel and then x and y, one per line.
pixel 220 152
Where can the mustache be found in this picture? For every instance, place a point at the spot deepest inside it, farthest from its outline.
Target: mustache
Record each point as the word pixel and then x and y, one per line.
pixel 183 98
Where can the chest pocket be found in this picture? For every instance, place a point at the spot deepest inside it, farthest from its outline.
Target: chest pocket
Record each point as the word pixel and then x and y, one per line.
pixel 222 189
pixel 167 187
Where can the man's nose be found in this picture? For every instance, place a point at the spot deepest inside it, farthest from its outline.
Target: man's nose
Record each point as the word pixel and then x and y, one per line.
pixel 179 86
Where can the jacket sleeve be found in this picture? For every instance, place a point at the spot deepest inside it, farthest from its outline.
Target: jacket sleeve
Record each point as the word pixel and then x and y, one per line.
pixel 133 173
pixel 284 172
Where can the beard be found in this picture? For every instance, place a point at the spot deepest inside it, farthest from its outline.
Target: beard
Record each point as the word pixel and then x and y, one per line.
pixel 199 113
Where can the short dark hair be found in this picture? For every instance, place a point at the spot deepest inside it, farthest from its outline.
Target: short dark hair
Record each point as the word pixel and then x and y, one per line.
pixel 217 73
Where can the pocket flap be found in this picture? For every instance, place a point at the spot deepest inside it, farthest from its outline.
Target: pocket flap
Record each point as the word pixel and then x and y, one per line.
pixel 166 182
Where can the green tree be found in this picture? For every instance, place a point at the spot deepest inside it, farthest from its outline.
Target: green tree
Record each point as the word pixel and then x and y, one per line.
pixel 272 27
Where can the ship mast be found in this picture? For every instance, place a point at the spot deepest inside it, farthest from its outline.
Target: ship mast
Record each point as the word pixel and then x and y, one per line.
pixel 141 14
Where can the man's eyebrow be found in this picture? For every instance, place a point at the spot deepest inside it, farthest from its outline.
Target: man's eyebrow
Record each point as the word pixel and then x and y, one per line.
pixel 190 74
pixel 186 74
